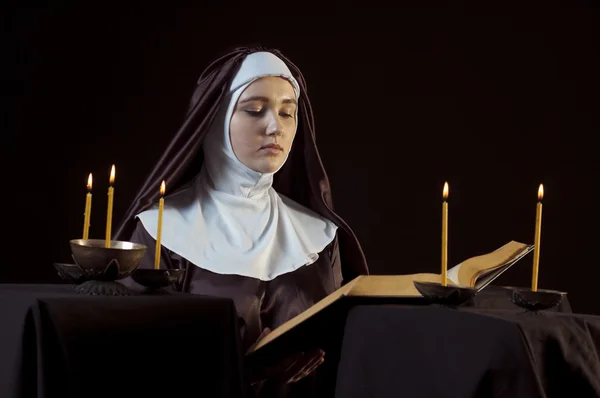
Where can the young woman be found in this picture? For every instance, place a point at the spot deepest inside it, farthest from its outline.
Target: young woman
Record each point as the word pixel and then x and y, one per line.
pixel 249 213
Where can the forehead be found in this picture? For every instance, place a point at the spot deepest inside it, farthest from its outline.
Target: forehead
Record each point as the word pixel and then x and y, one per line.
pixel 273 87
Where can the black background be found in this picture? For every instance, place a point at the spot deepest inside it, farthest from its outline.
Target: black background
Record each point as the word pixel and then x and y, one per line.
pixel 495 101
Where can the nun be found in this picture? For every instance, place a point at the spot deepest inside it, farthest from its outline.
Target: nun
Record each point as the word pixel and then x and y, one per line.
pixel 248 211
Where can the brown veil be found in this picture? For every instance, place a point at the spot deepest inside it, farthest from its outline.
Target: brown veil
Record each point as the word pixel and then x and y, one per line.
pixel 302 178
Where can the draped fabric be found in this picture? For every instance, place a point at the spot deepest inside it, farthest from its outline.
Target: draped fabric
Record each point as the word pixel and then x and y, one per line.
pixel 303 177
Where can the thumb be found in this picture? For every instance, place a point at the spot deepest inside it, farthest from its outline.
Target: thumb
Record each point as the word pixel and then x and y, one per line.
pixel 265 332
pixel 262 335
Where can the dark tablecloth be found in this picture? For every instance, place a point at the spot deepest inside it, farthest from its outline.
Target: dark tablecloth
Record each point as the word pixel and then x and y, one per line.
pixel 56 343
pixel 403 351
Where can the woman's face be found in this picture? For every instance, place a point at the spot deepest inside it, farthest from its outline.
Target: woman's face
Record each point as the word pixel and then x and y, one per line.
pixel 263 124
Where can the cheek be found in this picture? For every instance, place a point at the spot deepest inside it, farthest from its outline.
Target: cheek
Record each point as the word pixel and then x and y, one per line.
pixel 238 131
pixel 245 136
pixel 289 138
pixel 236 136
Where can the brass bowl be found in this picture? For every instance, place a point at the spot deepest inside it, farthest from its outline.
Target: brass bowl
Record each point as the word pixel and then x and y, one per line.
pixel 115 262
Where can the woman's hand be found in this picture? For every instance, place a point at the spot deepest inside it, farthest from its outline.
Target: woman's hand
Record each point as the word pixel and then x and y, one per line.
pixel 300 365
pixel 290 369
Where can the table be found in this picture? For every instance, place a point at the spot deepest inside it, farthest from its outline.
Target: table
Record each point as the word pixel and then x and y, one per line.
pixel 56 343
pixel 403 351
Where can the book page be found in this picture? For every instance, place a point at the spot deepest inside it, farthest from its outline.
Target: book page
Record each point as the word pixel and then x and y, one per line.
pixel 453 274
pixel 471 269
pixel 486 277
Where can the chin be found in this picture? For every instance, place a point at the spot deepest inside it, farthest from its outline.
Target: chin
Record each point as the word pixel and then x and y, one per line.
pixel 267 167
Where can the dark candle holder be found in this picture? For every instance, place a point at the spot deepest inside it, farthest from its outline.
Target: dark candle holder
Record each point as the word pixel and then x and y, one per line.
pixel 155 280
pixel 534 301
pixel 97 268
pixel 446 296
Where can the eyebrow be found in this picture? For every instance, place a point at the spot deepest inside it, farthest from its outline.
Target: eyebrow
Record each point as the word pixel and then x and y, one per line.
pixel 265 99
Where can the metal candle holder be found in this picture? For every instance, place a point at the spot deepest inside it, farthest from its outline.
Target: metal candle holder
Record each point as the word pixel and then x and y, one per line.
pixel 97 268
pixel 447 296
pixel 534 301
pixel 155 280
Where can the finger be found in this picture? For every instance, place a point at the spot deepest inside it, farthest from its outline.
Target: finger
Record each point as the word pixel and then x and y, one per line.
pixel 284 368
pixel 297 367
pixel 265 332
pixel 313 366
pixel 306 373
pixel 294 360
pixel 298 370
pixel 310 364
pixel 293 377
pixel 303 365
pixel 262 335
pixel 317 353
pixel 303 368
pixel 316 365
pixel 298 377
pixel 314 357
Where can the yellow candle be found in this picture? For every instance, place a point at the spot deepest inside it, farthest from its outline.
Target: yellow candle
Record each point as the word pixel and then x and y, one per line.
pixel 111 193
pixel 88 209
pixel 161 206
pixel 537 239
pixel 445 235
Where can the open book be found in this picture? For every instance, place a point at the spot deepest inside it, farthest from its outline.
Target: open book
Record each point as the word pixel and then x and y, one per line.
pixel 475 272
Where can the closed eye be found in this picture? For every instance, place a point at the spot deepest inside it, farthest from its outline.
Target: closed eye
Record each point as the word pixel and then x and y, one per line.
pixel 253 112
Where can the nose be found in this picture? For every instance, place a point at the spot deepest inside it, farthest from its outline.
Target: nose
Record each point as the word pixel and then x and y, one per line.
pixel 274 126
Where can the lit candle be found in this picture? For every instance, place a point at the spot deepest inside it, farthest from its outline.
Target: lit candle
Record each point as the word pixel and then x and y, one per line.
pixel 88 209
pixel 445 235
pixel 161 205
pixel 537 238
pixel 111 194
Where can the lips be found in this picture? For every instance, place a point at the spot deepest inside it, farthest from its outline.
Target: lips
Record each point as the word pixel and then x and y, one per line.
pixel 272 146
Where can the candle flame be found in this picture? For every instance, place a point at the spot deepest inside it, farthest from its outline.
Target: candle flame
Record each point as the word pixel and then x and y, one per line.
pixel 112 175
pixel 162 188
pixel 446 190
pixel 541 192
pixel 89 184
